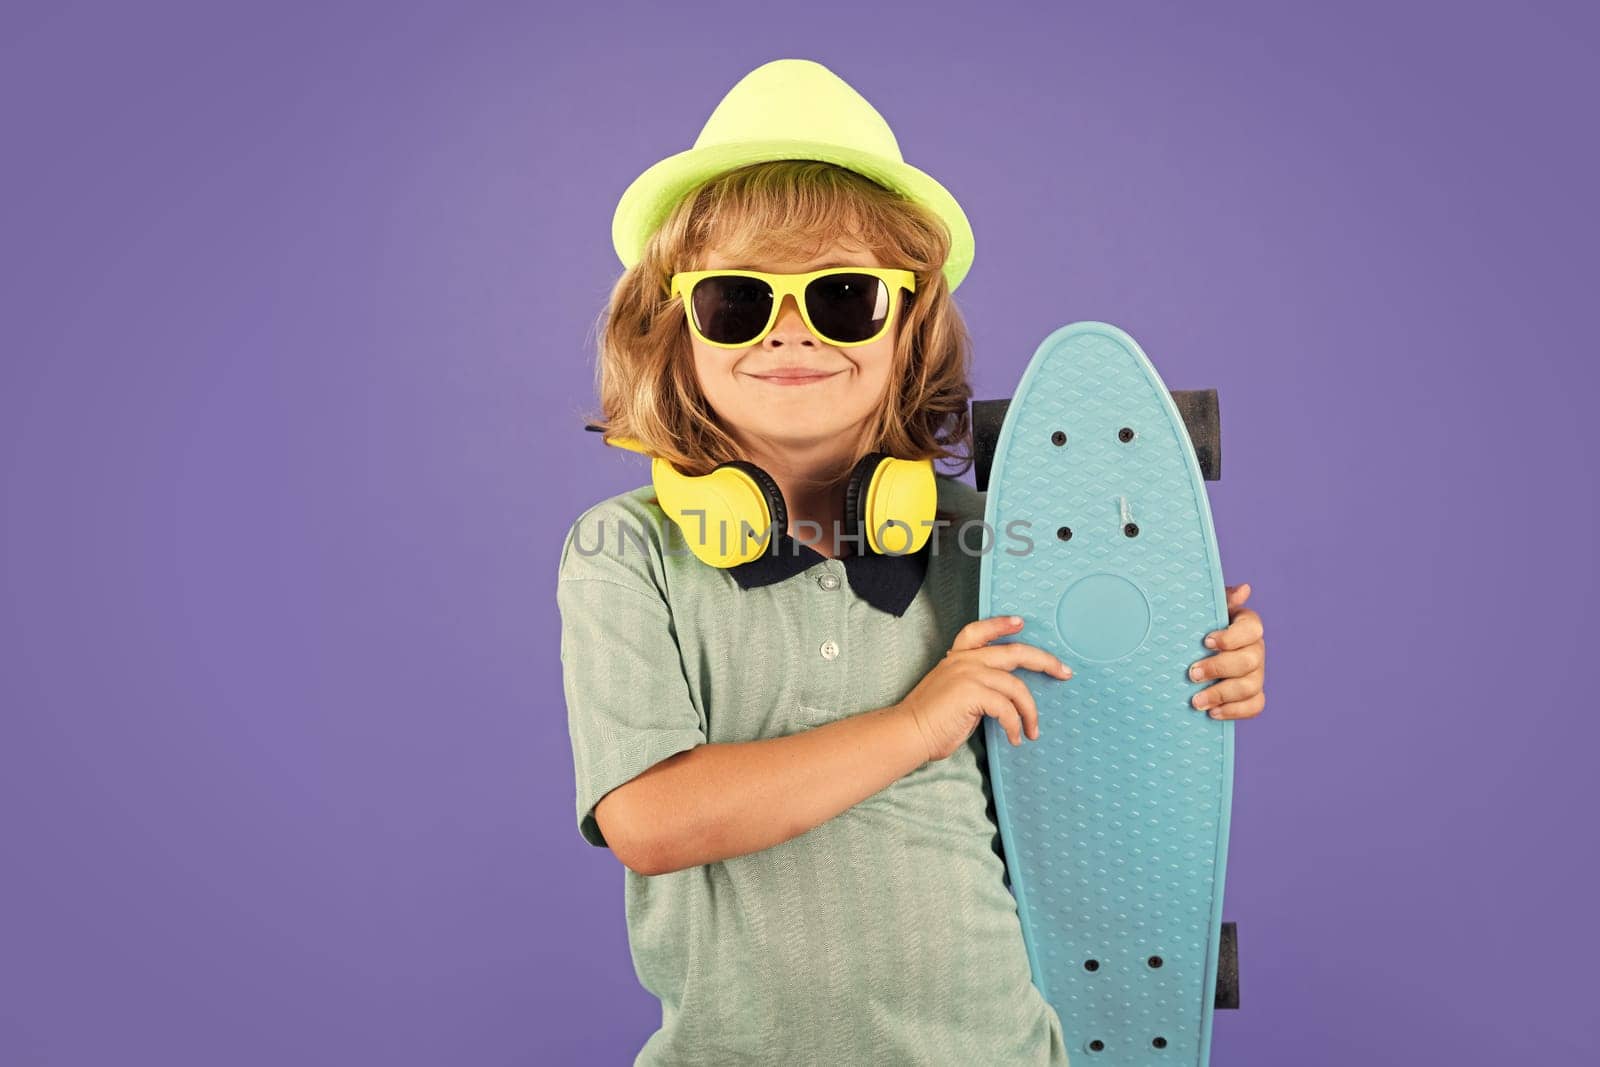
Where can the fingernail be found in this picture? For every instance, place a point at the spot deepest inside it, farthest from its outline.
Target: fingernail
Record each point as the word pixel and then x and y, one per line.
pixel 1211 642
pixel 1016 620
pixel 1194 672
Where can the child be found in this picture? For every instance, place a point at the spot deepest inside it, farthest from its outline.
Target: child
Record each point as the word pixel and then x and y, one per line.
pixel 781 747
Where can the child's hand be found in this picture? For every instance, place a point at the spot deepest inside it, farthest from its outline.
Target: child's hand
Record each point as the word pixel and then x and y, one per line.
pixel 1241 663
pixel 973 680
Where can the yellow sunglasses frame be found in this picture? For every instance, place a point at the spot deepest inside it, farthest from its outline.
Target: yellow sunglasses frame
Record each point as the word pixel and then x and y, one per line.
pixel 783 285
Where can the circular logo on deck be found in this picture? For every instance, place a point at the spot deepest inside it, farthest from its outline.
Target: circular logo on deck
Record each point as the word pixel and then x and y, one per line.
pixel 1103 617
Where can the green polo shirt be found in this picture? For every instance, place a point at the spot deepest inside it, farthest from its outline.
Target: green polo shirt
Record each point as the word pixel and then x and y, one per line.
pixel 884 936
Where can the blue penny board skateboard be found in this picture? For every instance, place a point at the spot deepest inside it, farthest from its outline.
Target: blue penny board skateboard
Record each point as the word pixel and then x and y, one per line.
pixel 1115 821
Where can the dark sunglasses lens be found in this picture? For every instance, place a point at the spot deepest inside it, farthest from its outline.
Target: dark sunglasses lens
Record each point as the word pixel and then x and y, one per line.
pixel 848 307
pixel 731 310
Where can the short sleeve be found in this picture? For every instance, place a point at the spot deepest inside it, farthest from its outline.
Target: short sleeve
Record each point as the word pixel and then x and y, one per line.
pixel 628 702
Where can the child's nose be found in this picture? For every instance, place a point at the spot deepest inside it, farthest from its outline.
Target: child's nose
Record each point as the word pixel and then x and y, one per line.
pixel 790 329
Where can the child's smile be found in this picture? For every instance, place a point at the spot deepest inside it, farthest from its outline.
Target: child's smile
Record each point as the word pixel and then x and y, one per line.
pixel 794 375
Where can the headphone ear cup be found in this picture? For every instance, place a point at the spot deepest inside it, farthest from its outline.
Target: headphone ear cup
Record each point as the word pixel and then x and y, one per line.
pixel 777 510
pixel 714 510
pixel 895 499
pixel 855 499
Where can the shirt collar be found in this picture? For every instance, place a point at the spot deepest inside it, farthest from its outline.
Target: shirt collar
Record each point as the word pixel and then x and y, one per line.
pixel 887 582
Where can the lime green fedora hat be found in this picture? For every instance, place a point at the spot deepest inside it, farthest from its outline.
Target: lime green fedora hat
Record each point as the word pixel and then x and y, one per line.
pixel 787 109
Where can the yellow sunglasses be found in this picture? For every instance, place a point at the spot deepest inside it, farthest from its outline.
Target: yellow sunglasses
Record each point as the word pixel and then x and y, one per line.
pixel 842 306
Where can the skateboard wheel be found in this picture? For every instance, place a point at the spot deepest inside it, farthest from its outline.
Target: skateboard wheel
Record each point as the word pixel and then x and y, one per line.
pixel 1228 968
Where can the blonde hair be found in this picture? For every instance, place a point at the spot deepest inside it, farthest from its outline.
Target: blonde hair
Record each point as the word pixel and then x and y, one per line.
pixel 788 208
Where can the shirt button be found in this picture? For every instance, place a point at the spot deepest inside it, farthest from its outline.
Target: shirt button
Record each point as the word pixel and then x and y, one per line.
pixel 829 581
pixel 830 649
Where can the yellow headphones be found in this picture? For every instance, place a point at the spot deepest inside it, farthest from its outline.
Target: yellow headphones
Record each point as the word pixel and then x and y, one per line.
pixel 728 514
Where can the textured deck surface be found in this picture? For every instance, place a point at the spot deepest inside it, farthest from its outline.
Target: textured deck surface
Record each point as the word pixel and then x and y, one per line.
pixel 1115 821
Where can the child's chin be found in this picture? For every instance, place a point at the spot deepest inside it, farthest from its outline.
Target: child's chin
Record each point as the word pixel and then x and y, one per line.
pixel 803 433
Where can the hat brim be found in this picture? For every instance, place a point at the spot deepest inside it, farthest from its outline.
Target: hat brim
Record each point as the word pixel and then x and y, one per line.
pixel 646 202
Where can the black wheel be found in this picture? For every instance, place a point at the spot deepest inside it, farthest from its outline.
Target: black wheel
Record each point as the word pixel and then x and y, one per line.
pixel 987 418
pixel 1204 423
pixel 1228 968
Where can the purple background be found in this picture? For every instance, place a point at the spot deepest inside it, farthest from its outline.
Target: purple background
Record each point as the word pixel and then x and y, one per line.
pixel 297 341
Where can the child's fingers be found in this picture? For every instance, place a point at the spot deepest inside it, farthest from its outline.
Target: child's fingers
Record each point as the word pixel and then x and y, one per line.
pixel 980 632
pixel 1016 690
pixel 1234 664
pixel 1014 654
pixel 1229 690
pixel 1241 709
pixel 997 704
pixel 1245 629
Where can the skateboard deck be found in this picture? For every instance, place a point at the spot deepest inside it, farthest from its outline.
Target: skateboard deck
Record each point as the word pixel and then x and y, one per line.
pixel 1115 821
